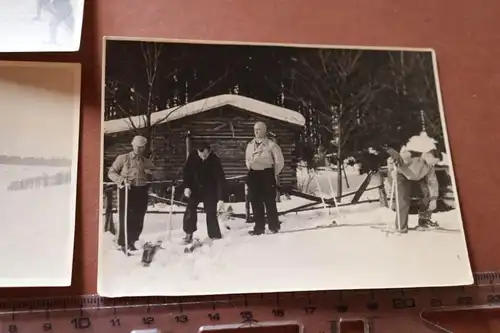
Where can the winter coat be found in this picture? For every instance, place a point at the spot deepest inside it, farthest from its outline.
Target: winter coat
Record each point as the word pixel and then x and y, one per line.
pixel 417 167
pixel 204 177
pixel 414 168
pixel 412 165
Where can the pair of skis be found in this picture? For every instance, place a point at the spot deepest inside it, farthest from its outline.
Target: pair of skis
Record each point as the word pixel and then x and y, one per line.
pixel 149 248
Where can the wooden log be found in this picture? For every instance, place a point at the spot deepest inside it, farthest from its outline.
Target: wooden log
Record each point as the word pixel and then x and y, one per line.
pixel 362 188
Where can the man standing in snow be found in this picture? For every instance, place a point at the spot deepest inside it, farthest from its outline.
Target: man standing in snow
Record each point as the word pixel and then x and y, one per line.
pixel 204 181
pixel 415 164
pixel 264 161
pixel 132 172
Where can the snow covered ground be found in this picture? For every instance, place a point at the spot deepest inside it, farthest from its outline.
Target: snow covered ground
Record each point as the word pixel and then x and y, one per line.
pixel 19 32
pixel 324 182
pixel 37 230
pixel 354 254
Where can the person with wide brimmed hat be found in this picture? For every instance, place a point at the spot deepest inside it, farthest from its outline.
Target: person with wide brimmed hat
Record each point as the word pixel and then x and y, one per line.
pixel 132 172
pixel 415 163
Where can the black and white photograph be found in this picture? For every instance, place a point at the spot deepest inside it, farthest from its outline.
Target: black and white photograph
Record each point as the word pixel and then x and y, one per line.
pixel 39 138
pixel 41 25
pixel 232 168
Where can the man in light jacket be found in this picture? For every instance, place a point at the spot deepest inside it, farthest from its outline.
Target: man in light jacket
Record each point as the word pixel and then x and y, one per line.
pixel 132 172
pixel 264 161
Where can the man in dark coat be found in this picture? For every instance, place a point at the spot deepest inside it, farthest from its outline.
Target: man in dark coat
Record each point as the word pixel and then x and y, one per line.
pixel 204 181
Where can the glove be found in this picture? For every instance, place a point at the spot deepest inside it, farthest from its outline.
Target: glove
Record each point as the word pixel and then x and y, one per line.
pixel 220 206
pixel 395 156
pixel 122 182
pixel 187 192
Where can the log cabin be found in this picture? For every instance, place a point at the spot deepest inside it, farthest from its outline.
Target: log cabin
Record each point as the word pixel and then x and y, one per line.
pixel 225 121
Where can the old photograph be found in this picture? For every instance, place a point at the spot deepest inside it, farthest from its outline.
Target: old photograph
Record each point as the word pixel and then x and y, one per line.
pixel 39 135
pixel 234 168
pixel 41 25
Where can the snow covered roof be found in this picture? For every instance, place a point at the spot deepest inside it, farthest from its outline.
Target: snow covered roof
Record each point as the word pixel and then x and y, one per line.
pixel 202 105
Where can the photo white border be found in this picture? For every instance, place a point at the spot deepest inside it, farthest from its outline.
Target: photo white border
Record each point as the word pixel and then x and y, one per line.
pixel 432 51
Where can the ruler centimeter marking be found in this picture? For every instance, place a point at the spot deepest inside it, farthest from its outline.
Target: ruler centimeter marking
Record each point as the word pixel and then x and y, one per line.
pixel 319 312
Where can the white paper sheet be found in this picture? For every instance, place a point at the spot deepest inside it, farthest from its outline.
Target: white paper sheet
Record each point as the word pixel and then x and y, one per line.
pixel 40 25
pixel 39 135
pixel 314 99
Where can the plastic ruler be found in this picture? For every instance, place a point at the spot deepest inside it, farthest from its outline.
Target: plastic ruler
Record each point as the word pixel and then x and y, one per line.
pixel 367 311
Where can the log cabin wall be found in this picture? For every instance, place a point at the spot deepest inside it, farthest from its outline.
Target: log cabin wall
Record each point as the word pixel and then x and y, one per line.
pixel 227 129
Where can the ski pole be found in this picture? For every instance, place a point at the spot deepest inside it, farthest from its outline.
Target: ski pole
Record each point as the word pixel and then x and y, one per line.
pixel 118 229
pixel 125 222
pixel 396 190
pixel 391 196
pixel 319 189
pixel 171 213
pixel 333 196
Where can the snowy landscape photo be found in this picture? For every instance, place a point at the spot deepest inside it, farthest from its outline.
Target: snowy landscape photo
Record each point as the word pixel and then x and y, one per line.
pixel 39 121
pixel 41 25
pixel 233 168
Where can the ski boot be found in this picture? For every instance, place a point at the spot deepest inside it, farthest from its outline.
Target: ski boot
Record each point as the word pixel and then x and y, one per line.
pixel 132 250
pixel 188 239
pixel 256 232
pixel 432 224
pixel 425 224
pixel 275 229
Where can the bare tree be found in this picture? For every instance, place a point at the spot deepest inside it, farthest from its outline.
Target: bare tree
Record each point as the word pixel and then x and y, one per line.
pixel 414 81
pixel 137 99
pixel 336 84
